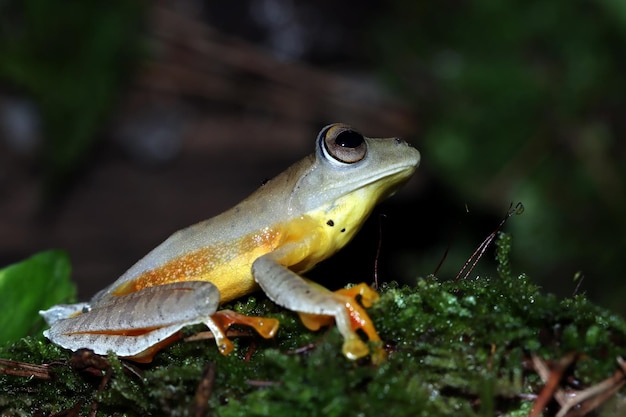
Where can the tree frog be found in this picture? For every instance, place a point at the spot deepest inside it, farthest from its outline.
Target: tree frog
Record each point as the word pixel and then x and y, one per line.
pixel 292 222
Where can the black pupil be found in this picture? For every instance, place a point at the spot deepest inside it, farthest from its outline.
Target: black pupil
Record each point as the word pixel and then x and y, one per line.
pixel 349 139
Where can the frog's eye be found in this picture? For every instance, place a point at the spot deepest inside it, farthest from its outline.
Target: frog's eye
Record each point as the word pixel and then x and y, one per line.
pixel 343 145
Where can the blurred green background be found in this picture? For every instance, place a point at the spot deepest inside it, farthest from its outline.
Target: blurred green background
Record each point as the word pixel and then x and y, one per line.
pixel 524 101
pixel 507 101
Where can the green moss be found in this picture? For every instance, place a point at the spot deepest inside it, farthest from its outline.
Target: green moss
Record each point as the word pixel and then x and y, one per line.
pixel 455 348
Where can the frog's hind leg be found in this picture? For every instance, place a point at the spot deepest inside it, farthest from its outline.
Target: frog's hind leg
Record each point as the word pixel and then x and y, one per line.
pixel 137 325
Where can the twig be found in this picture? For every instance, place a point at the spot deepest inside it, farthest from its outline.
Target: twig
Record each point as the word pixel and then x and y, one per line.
pixel 469 265
pixel 204 390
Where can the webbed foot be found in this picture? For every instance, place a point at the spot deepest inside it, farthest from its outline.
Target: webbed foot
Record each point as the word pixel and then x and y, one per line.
pixel 221 321
pixel 353 299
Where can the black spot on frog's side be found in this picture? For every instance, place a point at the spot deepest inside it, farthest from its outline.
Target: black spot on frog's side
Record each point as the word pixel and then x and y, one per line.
pixel 331 223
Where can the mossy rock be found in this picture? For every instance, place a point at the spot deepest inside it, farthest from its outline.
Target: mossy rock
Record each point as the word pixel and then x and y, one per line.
pixel 454 348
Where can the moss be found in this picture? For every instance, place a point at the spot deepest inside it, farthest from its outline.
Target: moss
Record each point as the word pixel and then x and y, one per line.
pixel 455 348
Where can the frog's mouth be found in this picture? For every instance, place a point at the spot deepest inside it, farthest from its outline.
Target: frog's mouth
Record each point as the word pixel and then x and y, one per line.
pixel 390 179
pixel 387 183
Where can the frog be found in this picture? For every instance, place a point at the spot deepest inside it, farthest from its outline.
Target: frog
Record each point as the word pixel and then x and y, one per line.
pixel 268 241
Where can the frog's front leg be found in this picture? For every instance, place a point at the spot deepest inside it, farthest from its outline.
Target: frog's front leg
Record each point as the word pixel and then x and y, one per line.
pixel 136 326
pixel 317 305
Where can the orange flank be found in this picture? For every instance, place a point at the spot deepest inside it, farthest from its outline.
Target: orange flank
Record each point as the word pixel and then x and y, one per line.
pixel 227 265
pixel 131 332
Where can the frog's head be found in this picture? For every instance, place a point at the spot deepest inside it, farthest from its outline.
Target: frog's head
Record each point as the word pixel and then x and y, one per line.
pixel 350 169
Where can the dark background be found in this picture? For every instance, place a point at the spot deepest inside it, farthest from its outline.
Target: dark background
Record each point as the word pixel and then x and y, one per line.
pixel 122 121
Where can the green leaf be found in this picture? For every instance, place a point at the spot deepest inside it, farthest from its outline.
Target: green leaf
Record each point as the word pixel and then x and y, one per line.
pixel 29 286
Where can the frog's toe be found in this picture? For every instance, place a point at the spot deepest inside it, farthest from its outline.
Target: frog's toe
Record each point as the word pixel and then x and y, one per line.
pixel 366 295
pixel 266 327
pixel 354 348
pixel 224 345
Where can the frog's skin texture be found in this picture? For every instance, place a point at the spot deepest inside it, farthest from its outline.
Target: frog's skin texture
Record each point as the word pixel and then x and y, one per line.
pixel 299 218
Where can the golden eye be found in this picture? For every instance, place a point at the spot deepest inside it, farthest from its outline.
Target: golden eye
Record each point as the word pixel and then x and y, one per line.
pixel 344 145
